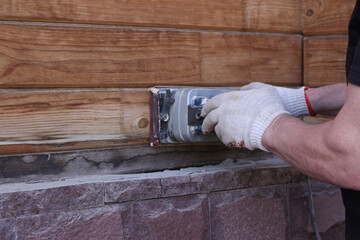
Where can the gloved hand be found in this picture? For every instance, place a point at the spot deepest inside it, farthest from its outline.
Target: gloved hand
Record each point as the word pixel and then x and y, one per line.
pixel 293 99
pixel 240 118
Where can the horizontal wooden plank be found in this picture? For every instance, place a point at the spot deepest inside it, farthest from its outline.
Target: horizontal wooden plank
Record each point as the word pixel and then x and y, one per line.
pixel 78 145
pixel 324 60
pixel 35 120
pixel 246 15
pixel 56 57
pixel 277 60
pixel 240 59
pixel 39 56
pixel 326 16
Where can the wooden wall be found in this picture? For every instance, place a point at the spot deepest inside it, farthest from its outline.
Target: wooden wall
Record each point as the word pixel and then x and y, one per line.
pixel 74 74
pixel 325 28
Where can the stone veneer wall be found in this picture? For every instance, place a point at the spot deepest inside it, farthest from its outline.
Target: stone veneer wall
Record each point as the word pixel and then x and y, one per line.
pixel 232 200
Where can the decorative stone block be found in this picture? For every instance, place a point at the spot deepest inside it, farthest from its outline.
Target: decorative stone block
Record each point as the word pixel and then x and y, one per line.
pixel 244 178
pixel 179 186
pixel 130 190
pixel 328 207
pixel 109 222
pixel 47 200
pixel 258 213
pixel 7 229
pixel 172 218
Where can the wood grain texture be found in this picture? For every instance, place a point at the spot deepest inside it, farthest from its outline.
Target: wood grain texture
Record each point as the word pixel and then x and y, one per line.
pixel 62 118
pixel 246 15
pixel 324 60
pixel 55 57
pixel 225 58
pixel 241 59
pixel 39 56
pixel 276 60
pixel 68 146
pixel 326 16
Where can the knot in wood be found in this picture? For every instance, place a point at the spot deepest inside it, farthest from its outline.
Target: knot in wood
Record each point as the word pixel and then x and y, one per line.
pixel 143 123
pixel 309 12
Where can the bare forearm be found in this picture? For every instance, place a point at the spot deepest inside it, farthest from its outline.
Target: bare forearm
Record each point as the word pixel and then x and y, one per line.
pixel 303 146
pixel 327 100
pixel 327 151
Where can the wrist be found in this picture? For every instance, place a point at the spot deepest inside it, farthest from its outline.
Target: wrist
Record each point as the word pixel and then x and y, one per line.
pixel 310 109
pixel 271 134
pixel 327 100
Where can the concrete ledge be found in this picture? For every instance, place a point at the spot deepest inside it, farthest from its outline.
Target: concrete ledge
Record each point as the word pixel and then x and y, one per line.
pixel 123 160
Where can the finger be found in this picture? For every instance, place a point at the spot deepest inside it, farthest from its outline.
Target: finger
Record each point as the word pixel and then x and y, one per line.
pixel 210 121
pixel 213 103
pixel 254 85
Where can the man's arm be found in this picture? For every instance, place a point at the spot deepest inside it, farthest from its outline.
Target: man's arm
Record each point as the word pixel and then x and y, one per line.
pixel 327 100
pixel 328 151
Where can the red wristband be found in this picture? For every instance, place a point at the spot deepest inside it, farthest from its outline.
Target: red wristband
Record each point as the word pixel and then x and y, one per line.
pixel 312 113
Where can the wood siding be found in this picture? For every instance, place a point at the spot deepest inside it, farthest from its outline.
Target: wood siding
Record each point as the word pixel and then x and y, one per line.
pixel 59 117
pixel 74 74
pixel 326 17
pixel 240 59
pixel 324 60
pixel 52 57
pixel 240 15
pixel 326 23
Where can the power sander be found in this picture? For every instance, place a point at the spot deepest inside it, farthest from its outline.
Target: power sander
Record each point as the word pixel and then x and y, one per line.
pixel 175 114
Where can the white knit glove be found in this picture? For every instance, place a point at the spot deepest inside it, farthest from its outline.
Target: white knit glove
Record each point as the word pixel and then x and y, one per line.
pixel 293 99
pixel 240 118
